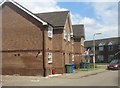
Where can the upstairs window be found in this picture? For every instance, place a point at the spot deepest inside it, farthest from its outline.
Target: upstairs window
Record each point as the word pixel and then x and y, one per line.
pixel 82 41
pixel 50 31
pixel 65 35
pixel 49 57
pixel 101 48
pixel 110 46
pixel 68 37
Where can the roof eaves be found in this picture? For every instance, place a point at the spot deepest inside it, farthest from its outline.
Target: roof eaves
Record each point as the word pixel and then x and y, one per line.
pixel 16 4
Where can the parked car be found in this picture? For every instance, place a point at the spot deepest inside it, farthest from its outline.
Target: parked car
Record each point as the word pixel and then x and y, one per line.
pixel 114 65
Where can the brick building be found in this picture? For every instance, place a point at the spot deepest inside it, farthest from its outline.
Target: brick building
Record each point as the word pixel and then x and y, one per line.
pixel 35 44
pixel 106 49
pixel 62 43
pixel 25 39
pixel 78 46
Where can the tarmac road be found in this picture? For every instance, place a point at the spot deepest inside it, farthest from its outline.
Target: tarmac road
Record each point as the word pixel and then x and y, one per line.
pixel 107 78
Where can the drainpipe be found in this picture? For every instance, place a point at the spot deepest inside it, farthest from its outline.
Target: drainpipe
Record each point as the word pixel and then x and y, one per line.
pixel 43 53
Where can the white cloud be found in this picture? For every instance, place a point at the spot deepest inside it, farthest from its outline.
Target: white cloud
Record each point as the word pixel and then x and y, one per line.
pixel 88 21
pixel 75 18
pixel 38 6
pixel 106 20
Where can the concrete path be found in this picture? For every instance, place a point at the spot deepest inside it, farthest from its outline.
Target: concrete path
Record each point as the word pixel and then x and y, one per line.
pixel 58 79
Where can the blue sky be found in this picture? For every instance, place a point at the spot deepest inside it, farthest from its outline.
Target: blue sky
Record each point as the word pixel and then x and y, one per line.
pixel 96 15
pixel 83 8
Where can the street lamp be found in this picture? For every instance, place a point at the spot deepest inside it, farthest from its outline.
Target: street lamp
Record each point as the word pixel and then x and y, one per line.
pixel 94 47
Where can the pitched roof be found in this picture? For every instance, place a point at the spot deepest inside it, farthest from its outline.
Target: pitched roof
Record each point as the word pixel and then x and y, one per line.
pixel 57 19
pixel 78 30
pixel 105 41
pixel 23 9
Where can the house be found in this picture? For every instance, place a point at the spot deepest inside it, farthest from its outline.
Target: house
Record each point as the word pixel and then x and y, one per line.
pixel 78 46
pixel 62 38
pixel 105 49
pixel 26 41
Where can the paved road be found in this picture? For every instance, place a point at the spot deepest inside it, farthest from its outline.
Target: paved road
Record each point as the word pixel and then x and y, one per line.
pixel 107 78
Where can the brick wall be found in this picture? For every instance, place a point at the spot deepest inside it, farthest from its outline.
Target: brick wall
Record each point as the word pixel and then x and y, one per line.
pixel 21 43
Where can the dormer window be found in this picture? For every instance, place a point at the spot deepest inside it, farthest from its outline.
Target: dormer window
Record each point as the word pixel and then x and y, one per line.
pixel 101 47
pixel 100 44
pixel 110 43
pixel 50 31
pixel 110 46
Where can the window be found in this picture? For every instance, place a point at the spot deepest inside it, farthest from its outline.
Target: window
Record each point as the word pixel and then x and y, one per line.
pixel 50 31
pixel 65 35
pixel 49 57
pixel 101 48
pixel 68 37
pixel 110 58
pixel 110 48
pixel 100 58
pixel 82 41
pixel 73 57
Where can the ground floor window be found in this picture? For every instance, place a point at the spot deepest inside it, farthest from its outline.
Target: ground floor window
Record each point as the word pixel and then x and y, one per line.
pixel 49 57
pixel 110 58
pixel 100 58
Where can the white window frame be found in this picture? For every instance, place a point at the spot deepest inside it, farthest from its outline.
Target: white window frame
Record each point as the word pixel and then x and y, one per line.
pixel 50 31
pixel 110 47
pixel 49 57
pixel 101 57
pixel 101 48
pixel 82 41
pixel 68 37
pixel 65 35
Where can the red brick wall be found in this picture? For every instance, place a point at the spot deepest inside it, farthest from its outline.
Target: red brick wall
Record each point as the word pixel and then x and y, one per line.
pixel 18 32
pixel 77 51
pixel 21 34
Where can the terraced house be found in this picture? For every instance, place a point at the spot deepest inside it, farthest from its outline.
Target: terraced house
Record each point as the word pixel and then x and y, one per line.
pixel 62 34
pixel 78 46
pixel 106 48
pixel 36 44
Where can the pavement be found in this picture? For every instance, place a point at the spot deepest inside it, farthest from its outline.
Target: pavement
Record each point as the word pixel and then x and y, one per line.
pixel 79 73
pixel 51 79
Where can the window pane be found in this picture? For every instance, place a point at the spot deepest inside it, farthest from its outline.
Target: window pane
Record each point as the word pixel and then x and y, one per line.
pixel 110 47
pixel 110 58
pixel 101 48
pixel 49 57
pixel 50 32
pixel 100 58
